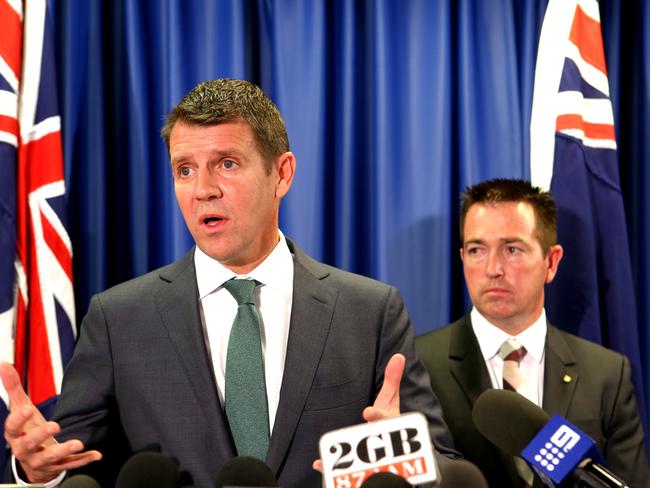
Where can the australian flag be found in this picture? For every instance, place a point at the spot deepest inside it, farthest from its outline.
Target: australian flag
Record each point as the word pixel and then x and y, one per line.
pixel 37 320
pixel 573 152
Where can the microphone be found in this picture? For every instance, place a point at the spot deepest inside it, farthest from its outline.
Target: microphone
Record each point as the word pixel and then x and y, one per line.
pixel 385 479
pixel 245 471
pixel 80 481
pixel 456 474
pixel 556 450
pixel 148 470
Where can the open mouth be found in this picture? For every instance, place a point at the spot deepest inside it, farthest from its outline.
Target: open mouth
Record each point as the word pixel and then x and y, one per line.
pixel 211 221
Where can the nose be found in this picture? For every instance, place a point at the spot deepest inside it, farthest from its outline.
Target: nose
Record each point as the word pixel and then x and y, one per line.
pixel 207 185
pixel 494 266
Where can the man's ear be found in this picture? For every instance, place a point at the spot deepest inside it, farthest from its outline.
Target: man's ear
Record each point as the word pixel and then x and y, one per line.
pixel 286 165
pixel 554 256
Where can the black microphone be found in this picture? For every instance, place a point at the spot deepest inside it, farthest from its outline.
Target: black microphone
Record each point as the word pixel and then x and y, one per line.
pixel 385 479
pixel 148 470
pixel 507 419
pixel 461 473
pixel 80 481
pixel 556 450
pixel 245 471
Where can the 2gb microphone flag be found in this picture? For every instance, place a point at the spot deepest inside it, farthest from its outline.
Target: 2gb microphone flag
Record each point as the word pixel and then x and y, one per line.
pixel 573 153
pixel 37 313
pixel 399 445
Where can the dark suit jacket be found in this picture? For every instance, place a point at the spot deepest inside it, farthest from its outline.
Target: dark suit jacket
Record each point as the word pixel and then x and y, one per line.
pixel 141 376
pixel 598 398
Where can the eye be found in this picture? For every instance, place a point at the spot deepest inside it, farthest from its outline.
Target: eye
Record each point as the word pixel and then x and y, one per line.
pixel 184 171
pixel 475 251
pixel 513 250
pixel 229 164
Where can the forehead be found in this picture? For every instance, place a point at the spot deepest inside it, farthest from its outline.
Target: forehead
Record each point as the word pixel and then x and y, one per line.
pixel 227 136
pixel 502 220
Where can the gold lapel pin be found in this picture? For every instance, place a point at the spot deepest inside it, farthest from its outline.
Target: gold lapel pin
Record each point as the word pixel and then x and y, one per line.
pixel 567 378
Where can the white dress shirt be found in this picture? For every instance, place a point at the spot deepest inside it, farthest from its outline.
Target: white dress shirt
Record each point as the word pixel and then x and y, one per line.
pixel 273 299
pixel 490 338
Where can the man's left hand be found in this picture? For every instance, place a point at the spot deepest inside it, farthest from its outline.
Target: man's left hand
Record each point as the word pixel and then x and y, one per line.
pixel 387 402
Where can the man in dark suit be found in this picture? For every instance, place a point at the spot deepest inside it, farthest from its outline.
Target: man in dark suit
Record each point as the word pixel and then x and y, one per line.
pixel 509 253
pixel 149 370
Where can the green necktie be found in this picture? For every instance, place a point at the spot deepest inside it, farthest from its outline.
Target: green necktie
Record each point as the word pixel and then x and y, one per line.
pixel 246 404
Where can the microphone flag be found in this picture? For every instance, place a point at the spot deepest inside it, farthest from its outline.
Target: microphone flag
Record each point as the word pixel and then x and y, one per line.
pixel 558 449
pixel 400 445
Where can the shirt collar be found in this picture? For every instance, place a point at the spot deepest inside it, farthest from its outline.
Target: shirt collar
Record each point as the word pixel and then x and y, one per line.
pixel 490 337
pixel 273 271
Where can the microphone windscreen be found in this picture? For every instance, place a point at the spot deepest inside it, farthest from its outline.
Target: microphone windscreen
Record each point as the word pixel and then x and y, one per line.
pixel 245 471
pixel 148 470
pixel 456 474
pixel 507 419
pixel 385 479
pixel 80 481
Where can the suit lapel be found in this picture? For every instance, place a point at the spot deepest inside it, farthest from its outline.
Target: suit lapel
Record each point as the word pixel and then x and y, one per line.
pixel 311 317
pixel 178 305
pixel 468 367
pixel 560 374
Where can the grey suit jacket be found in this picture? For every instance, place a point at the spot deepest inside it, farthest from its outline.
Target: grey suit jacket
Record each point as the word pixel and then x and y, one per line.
pixel 583 382
pixel 141 377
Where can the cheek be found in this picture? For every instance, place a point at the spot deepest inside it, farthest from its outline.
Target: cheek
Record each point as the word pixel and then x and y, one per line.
pixel 185 204
pixel 472 277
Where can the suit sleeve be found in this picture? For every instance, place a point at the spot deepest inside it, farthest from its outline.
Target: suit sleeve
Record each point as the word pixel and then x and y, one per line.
pixel 625 450
pixel 86 409
pixel 416 394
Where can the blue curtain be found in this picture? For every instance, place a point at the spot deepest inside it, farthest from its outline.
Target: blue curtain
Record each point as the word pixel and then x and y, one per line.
pixel 392 107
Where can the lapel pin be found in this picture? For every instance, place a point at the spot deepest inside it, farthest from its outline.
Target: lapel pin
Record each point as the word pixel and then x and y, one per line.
pixel 567 378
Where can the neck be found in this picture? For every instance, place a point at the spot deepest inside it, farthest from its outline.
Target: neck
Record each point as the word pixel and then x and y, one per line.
pixel 242 269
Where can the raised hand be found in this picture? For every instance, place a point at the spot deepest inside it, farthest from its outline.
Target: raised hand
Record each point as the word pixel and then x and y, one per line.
pixel 31 437
pixel 387 402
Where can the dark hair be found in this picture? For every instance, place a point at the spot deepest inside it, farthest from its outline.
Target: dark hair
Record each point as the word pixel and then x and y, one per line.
pixel 512 190
pixel 225 100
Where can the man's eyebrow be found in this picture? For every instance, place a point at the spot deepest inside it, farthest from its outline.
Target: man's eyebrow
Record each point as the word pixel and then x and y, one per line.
pixel 473 241
pixel 220 153
pixel 503 240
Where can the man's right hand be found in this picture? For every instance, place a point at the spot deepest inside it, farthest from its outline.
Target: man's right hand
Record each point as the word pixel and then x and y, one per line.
pixel 31 437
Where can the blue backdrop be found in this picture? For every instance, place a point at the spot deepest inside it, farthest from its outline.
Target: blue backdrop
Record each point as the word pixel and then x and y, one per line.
pixel 392 108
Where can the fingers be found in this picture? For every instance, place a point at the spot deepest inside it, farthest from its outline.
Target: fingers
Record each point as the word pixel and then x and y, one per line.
pixel 27 438
pixel 15 390
pixel 370 414
pixel 318 465
pixel 48 462
pixel 388 397
pixel 28 420
pixel 59 457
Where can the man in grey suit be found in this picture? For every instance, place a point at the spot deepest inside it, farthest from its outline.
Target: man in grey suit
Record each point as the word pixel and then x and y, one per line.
pixel 149 370
pixel 509 252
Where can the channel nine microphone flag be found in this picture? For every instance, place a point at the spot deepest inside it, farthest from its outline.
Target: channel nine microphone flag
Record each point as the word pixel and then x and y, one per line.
pixel 37 316
pixel 573 153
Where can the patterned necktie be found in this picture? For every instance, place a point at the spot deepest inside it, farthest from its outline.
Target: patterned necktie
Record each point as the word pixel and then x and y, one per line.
pixel 512 353
pixel 245 396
